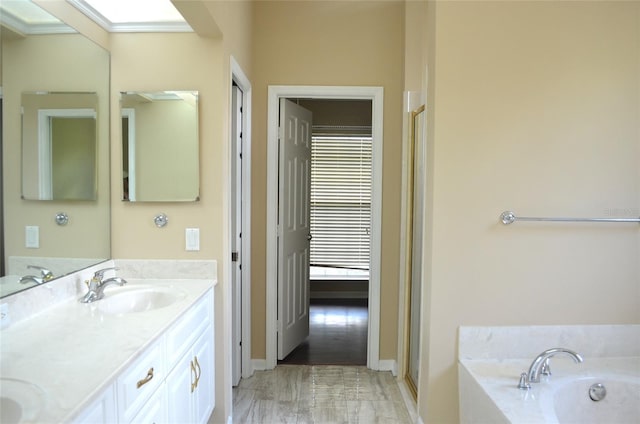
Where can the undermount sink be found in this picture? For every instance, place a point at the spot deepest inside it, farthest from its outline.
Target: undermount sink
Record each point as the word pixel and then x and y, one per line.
pixel 20 401
pixel 128 300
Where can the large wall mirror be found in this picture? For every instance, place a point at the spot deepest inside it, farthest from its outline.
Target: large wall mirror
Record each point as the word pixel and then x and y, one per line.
pixel 45 62
pixel 59 146
pixel 160 161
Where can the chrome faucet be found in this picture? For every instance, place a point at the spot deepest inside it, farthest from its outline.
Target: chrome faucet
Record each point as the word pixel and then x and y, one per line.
pixel 97 285
pixel 540 365
pixel 45 275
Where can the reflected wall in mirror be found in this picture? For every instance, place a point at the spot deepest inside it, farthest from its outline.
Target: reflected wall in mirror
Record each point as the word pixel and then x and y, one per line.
pixel 160 160
pixel 52 58
pixel 59 143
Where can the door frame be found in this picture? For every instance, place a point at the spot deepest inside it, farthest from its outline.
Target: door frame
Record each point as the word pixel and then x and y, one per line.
pixel 376 95
pixel 45 144
pixel 239 77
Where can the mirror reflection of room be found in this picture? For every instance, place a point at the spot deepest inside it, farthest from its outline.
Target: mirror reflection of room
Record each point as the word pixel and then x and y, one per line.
pixel 59 146
pixel 160 151
pixel 55 91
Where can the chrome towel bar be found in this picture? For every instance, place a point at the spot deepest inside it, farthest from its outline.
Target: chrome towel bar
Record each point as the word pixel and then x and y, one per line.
pixel 508 217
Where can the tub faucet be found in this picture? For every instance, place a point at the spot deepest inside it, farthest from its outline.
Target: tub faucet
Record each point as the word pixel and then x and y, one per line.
pixel 541 362
pixel 97 285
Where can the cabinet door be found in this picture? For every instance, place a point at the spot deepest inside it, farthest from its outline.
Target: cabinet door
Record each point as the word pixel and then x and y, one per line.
pixel 179 394
pixel 155 410
pixel 101 411
pixel 204 394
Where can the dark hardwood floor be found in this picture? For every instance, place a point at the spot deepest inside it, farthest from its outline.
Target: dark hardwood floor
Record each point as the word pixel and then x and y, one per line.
pixel 337 334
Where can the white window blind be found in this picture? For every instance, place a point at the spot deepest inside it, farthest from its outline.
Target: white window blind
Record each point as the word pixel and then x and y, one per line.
pixel 340 201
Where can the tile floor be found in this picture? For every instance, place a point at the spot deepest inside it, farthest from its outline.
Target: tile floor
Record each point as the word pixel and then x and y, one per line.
pixel 312 394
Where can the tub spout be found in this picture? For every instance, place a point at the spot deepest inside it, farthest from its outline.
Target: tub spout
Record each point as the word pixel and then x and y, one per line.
pixel 533 376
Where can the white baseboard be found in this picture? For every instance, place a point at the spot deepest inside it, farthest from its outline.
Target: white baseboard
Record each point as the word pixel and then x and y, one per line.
pixel 259 365
pixel 388 365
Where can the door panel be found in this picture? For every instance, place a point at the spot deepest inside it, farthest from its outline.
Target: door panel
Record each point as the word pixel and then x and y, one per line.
pixel 236 240
pixel 293 246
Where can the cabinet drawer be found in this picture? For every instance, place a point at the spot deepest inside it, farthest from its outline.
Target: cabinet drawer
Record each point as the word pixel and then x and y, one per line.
pixel 140 381
pixel 186 331
pixel 155 410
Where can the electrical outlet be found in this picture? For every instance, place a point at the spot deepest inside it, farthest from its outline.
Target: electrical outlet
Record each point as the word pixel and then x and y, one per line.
pixel 32 236
pixel 192 239
pixel 5 319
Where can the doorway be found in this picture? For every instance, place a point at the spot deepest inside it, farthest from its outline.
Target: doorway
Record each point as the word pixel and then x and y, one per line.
pixel 375 95
pixel 340 224
pixel 239 259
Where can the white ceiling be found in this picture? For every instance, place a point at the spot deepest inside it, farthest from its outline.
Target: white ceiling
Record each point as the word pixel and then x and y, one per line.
pixel 26 17
pixel 134 15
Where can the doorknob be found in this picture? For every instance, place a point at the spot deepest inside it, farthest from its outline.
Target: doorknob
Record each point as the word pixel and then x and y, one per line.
pixel 309 236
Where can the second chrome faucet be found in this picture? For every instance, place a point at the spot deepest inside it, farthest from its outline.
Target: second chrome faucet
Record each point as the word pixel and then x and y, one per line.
pixel 540 365
pixel 97 285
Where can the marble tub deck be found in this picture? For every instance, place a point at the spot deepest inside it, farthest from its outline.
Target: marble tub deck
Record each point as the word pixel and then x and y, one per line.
pixel 312 394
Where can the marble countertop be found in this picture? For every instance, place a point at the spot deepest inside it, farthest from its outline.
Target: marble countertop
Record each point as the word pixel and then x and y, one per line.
pixel 499 378
pixel 73 351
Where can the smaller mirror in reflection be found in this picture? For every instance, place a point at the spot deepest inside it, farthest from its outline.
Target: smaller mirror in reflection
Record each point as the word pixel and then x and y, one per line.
pixel 160 148
pixel 59 146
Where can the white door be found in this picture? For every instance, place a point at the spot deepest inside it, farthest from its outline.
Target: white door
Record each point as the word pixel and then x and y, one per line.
pixel 236 235
pixel 294 230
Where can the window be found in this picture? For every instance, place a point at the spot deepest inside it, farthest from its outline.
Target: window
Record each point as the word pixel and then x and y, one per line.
pixel 340 200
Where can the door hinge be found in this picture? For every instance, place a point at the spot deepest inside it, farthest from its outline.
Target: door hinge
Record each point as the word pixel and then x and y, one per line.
pixel 234 256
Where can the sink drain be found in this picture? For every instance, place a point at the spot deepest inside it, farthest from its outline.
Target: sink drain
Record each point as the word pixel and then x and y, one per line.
pixel 597 392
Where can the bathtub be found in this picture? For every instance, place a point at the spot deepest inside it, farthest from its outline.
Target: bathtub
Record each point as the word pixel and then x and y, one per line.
pixel 569 400
pixel 488 380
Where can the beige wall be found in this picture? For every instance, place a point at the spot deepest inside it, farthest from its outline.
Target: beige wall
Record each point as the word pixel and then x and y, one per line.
pixel 186 62
pixel 152 62
pixel 329 43
pixel 415 49
pixel 535 108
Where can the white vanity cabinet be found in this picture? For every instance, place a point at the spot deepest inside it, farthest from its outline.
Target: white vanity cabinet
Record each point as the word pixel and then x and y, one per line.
pixel 101 411
pixel 154 411
pixel 140 381
pixel 172 381
pixel 190 385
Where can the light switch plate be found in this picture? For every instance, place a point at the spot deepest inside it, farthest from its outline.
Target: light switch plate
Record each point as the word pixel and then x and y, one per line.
pixel 32 237
pixel 192 237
